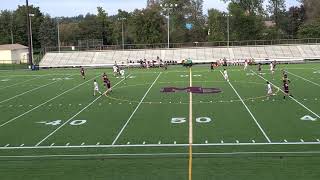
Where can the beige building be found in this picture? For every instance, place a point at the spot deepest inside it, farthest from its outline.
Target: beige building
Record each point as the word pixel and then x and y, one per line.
pixel 13 54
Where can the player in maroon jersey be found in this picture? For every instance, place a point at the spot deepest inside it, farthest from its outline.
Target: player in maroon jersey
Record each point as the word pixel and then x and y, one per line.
pixel 82 73
pixel 286 89
pixel 106 82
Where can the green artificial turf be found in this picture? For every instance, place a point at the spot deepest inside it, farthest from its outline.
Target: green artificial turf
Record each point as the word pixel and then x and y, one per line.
pixel 52 127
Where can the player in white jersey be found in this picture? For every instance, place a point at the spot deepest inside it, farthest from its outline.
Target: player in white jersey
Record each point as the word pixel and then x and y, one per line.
pixel 269 90
pixel 245 65
pixel 122 73
pixel 225 75
pixel 96 88
pixel 115 70
pixel 272 68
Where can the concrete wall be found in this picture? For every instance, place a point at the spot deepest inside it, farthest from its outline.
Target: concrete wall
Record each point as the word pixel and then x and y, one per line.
pixel 20 55
pixel 5 57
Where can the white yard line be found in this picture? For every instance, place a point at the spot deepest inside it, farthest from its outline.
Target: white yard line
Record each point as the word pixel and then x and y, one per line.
pixel 13 119
pixel 162 154
pixel 135 110
pixel 190 127
pixel 304 78
pixel 31 90
pixel 253 117
pixel 20 83
pixel 75 115
pixel 159 145
pixel 289 96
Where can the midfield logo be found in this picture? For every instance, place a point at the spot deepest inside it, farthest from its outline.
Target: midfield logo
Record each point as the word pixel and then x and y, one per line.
pixel 197 90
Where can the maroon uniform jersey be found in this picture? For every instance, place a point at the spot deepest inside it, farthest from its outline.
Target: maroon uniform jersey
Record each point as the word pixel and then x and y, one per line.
pixel 104 78
pixel 286 87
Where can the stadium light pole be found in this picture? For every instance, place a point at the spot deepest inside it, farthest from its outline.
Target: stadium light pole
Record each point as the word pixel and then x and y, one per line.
pixel 58 27
pixel 228 27
pixel 31 41
pixel 122 27
pixel 168 7
pixel 29 37
pixel 11 24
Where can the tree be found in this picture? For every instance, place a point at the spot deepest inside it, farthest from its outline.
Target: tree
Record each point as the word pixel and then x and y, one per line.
pixel 48 32
pixel 217 27
pixel 312 9
pixel 276 8
pixel 103 25
pixel 20 25
pixel 148 26
pixel 6 26
pixel 310 30
pixel 244 26
pixel 251 7
pixel 295 19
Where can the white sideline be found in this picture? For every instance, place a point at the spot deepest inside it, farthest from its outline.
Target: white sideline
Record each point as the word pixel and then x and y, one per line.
pixel 67 146
pixel 125 125
pixel 31 90
pixel 253 117
pixel 75 115
pixel 20 82
pixel 304 79
pixel 162 154
pixel 46 102
pixel 289 96
pixel 37 75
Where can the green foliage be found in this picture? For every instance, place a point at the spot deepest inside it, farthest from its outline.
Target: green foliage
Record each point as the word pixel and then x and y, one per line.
pixel 244 26
pixel 217 25
pixel 311 30
pixel 48 32
pixel 149 25
pixel 249 6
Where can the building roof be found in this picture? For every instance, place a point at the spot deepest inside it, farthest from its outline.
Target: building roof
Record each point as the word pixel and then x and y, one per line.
pixel 12 47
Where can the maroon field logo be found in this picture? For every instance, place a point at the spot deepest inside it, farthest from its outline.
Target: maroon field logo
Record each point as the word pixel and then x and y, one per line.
pixel 197 90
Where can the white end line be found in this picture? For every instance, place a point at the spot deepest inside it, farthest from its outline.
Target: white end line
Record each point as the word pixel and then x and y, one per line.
pixel 304 79
pixel 125 125
pixel 244 104
pixel 74 116
pixel 289 96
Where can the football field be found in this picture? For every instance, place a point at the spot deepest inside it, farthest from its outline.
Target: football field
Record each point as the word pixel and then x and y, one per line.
pixel 52 127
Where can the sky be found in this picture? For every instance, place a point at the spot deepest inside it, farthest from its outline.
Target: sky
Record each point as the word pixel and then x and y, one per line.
pixel 57 8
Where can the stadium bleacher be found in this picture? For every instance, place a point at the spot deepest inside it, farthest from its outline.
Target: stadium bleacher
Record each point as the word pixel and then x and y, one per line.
pixel 198 55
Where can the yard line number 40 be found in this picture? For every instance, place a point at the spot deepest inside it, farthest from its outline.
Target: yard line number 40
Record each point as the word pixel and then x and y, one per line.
pixel 181 120
pixel 58 122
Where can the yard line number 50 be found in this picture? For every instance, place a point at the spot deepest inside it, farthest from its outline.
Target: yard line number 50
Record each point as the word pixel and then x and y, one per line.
pixel 181 120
